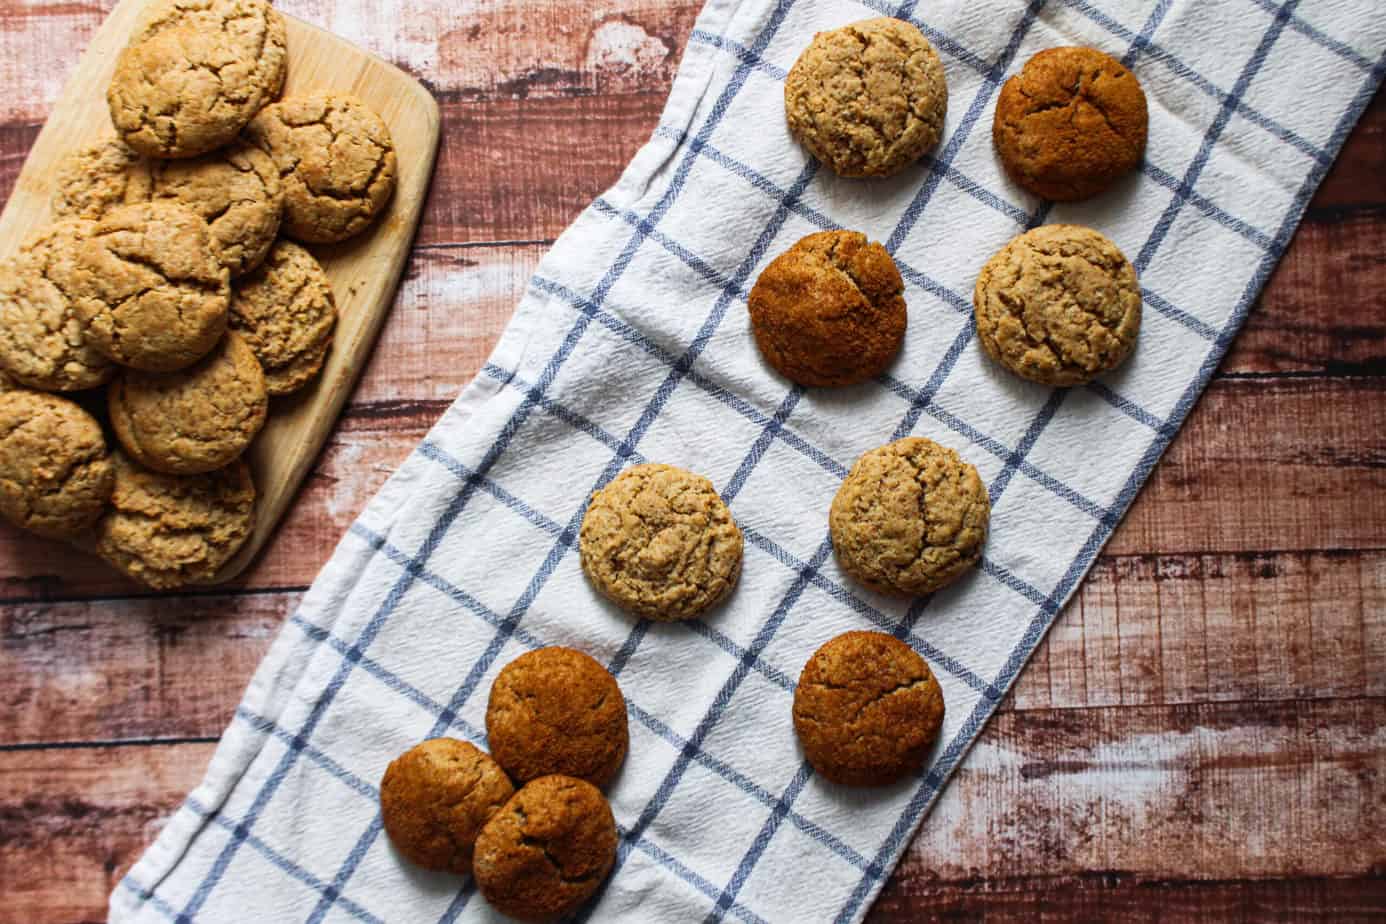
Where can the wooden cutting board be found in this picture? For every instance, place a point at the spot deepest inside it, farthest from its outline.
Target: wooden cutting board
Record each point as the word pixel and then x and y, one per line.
pixel 364 271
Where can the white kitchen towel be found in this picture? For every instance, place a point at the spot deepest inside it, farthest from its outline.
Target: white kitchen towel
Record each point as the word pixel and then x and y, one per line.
pixel 632 344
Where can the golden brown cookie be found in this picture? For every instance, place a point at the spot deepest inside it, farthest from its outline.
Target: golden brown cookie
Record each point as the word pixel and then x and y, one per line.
pixel 1070 124
pixel 658 542
pixel 868 99
pixel 166 531
pixel 1058 305
pixel 91 181
pixel 435 798
pixel 194 74
pixel 55 474
pixel 150 287
pixel 867 709
pixel 909 518
pixel 547 851
pixel 557 710
pixel 285 312
pixel 236 191
pixel 830 310
pixel 43 343
pixel 336 160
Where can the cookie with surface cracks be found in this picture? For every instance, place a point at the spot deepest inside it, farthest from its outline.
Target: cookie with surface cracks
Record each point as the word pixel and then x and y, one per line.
pixel 194 73
pixel 91 181
pixel 286 313
pixel 55 473
pixel 659 542
pixel 1059 305
pixel 868 99
pixel 336 160
pixel 910 517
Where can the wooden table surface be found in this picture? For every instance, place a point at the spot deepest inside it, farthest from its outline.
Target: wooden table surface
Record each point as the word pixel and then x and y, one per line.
pixel 1203 733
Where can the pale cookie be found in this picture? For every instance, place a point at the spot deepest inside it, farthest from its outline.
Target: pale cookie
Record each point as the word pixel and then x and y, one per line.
pixel 285 312
pixel 867 709
pixel 55 474
pixel 167 531
pixel 91 181
pixel 196 419
pixel 1058 305
pixel 658 542
pixel 150 287
pixel 43 343
pixel 194 74
pixel 868 99
pixel 910 517
pixel 336 160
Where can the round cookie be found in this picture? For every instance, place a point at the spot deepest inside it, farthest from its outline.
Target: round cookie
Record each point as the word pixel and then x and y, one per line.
pixel 150 287
pixel 830 310
pixel 236 191
pixel 43 343
pixel 91 181
pixel 547 850
pixel 55 474
pixel 1070 124
pixel 194 420
pixel 867 709
pixel 556 710
pixel 336 160
pixel 1059 305
pixel 285 312
pixel 909 518
pixel 194 74
pixel 658 542
pixel 166 531
pixel 868 99
pixel 435 798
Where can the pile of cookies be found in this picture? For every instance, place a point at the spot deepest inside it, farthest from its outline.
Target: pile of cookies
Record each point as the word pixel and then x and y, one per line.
pixel 164 278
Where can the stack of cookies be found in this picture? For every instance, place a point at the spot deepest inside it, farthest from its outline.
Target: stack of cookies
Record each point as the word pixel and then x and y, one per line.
pixel 171 277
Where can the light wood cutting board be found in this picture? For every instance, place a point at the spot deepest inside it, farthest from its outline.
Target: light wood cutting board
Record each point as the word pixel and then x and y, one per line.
pixel 364 271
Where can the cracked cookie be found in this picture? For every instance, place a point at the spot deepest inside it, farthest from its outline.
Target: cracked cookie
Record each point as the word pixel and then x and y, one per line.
pixel 909 518
pixel 658 542
pixel 336 161
pixel 55 474
pixel 556 710
pixel 43 343
pixel 830 310
pixel 150 287
pixel 91 181
pixel 1070 124
pixel 547 851
pixel 286 312
pixel 867 709
pixel 1059 305
pixel 868 99
pixel 166 531
pixel 196 419
pixel 194 74
pixel 435 798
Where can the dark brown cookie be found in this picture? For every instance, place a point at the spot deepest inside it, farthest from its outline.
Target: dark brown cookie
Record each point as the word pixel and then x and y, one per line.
pixel 867 709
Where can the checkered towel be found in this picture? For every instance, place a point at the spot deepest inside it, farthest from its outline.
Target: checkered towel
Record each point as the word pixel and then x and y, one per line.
pixel 632 344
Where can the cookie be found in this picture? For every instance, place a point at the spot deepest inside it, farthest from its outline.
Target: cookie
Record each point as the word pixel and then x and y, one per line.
pixel 435 798
pixel 830 310
pixel 909 518
pixel 55 474
pixel 867 709
pixel 285 312
pixel 91 181
pixel 1070 124
pixel 1058 305
pixel 166 531
pixel 194 74
pixel 236 191
pixel 547 850
pixel 868 99
pixel 658 542
pixel 149 286
pixel 43 343
pixel 557 710
pixel 336 160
